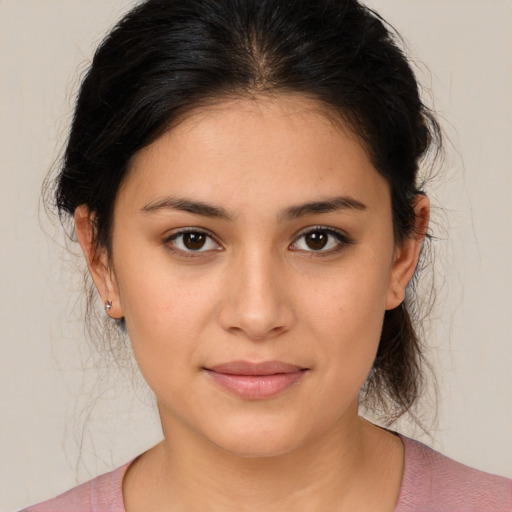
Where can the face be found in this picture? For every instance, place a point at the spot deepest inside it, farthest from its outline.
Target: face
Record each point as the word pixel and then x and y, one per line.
pixel 253 260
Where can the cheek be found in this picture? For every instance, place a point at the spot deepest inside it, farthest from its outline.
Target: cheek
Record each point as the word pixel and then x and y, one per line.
pixel 163 329
pixel 165 312
pixel 347 312
pixel 351 299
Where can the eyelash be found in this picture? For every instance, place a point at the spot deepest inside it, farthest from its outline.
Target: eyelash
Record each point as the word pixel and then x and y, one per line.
pixel 188 254
pixel 343 242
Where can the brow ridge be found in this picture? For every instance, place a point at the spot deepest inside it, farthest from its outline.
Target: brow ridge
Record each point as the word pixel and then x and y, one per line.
pixel 186 205
pixel 334 204
pixel 328 205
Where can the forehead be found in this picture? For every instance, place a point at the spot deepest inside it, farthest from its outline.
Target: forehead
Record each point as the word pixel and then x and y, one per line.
pixel 283 148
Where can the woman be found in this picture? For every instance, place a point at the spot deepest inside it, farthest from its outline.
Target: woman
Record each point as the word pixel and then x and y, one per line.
pixel 243 178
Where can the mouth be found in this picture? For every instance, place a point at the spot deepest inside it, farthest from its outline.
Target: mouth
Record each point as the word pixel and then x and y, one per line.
pixel 256 381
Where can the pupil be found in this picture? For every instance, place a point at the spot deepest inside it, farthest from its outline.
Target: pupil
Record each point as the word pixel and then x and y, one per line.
pixel 316 240
pixel 194 241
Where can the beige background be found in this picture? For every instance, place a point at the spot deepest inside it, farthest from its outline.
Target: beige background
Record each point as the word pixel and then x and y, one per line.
pixel 49 382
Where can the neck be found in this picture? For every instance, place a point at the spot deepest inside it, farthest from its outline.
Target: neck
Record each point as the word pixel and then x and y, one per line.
pixel 328 473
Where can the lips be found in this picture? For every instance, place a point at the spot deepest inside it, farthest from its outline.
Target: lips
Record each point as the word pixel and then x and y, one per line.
pixel 255 381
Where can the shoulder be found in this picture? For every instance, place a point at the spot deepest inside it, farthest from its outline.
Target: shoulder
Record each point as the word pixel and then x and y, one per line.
pixel 433 482
pixel 102 494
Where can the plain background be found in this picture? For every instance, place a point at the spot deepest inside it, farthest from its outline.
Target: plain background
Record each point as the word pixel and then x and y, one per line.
pixel 64 420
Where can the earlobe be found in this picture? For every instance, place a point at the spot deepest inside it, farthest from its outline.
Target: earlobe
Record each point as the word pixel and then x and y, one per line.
pixel 97 262
pixel 408 253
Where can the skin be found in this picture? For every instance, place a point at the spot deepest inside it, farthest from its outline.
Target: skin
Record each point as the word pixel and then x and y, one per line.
pixel 257 292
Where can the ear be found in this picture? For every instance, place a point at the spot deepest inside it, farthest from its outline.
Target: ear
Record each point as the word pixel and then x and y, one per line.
pixel 407 254
pixel 97 261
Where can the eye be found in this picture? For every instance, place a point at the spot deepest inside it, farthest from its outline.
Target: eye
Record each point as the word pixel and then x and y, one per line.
pixel 193 241
pixel 320 239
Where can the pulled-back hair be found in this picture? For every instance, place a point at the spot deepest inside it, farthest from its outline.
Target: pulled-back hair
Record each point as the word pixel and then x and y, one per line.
pixel 166 58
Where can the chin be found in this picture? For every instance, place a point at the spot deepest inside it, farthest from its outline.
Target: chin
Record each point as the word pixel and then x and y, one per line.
pixel 257 440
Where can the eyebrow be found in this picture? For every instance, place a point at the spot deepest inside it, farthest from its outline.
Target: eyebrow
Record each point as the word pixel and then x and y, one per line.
pixel 333 204
pixel 186 205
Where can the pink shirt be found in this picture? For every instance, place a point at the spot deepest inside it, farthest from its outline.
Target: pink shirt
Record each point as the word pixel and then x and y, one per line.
pixel 431 483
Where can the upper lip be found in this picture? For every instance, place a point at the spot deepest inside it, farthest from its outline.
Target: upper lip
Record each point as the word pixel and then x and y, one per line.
pixel 248 368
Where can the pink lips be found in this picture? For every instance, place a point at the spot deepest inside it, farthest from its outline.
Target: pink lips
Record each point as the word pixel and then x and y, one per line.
pixel 255 381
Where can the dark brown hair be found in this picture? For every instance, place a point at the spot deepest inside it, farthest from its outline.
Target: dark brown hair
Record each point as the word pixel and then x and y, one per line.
pixel 168 57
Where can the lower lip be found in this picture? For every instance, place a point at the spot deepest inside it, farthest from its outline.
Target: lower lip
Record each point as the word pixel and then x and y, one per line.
pixel 256 387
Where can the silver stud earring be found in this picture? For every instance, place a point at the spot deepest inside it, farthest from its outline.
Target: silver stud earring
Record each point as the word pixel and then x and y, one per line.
pixel 108 306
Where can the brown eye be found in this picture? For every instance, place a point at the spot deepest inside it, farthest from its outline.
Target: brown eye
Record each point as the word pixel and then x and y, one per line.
pixel 193 241
pixel 321 240
pixel 316 240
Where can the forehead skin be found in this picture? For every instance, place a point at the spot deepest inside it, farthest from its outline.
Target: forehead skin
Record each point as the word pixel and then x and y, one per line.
pixel 255 140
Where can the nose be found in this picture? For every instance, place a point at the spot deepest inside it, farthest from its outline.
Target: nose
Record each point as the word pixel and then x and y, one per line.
pixel 255 301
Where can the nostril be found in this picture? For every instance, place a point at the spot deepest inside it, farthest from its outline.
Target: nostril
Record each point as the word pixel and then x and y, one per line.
pixel 257 334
